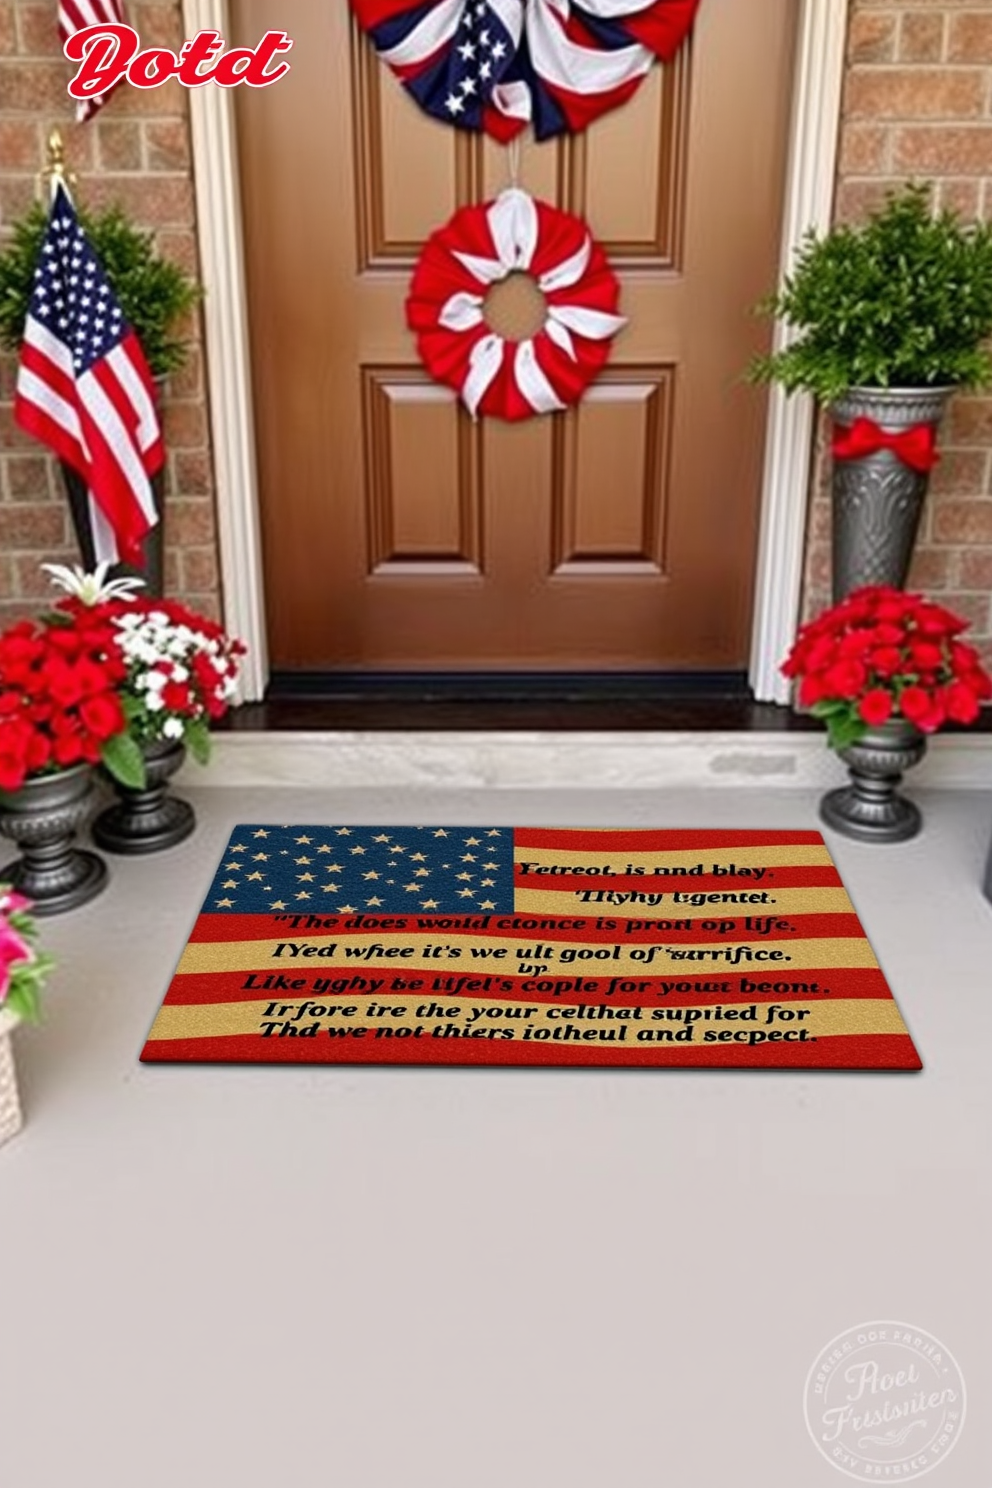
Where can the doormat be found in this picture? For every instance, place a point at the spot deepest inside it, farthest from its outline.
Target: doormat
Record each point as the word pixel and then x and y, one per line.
pixel 529 946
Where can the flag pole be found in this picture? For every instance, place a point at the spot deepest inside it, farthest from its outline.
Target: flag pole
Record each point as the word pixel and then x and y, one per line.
pixel 56 169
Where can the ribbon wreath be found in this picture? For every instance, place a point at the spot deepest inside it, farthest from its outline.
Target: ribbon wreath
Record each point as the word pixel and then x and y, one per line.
pixel 498 65
pixel 478 248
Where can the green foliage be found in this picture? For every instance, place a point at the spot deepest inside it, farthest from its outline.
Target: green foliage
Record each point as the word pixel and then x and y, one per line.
pixel 121 756
pixel 905 300
pixel 196 736
pixel 154 293
pixel 845 726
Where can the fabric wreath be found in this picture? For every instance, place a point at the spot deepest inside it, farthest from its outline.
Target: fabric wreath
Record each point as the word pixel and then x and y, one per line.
pixel 477 248
pixel 499 65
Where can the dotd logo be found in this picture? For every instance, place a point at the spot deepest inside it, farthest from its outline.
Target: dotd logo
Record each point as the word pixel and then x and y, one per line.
pixel 107 54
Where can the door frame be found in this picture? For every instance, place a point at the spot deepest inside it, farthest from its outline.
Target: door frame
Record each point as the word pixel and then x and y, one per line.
pixel 808 202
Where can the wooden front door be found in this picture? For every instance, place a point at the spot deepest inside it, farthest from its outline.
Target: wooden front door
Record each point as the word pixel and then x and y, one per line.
pixel 397 534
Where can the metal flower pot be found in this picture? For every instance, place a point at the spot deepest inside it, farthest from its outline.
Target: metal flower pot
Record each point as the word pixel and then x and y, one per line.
pixel 147 820
pixel 878 499
pixel 871 808
pixel 42 818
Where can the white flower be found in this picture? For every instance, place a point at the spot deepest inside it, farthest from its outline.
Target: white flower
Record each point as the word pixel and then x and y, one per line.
pixel 154 703
pixel 172 728
pixel 94 588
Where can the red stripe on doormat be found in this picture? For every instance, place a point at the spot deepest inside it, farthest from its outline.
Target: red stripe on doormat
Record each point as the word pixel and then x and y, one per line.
pixel 884 1052
pixel 646 840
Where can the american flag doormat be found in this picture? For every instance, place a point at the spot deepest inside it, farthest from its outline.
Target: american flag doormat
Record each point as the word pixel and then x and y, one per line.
pixel 529 946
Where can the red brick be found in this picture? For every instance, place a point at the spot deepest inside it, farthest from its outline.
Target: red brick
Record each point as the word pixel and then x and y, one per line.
pixel 184 425
pixel 150 201
pixel 915 93
pixel 864 149
pixel 181 248
pixel 16 195
pixel 36 87
pixel 857 199
pixel 969 37
pixel 871 37
pixel 976 569
pixel 31 580
pixel 960 473
pixel 39 38
pixel 971 607
pixel 159 25
pixel 193 472
pixel 33 527
pixel 20 145
pixel 930 569
pixel 963 522
pixel 921 37
pixel 27 477
pixel 963 197
pixel 935 150
pixel 167 143
pixel 199 570
pixel 968 420
pixel 8 38
pixel 190 522
pixel 120 144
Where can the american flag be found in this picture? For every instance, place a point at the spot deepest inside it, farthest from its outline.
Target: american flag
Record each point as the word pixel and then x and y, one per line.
pixel 497 65
pixel 73 16
pixel 84 388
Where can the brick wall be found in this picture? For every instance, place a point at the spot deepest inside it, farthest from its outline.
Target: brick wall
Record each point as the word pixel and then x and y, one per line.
pixel 917 104
pixel 136 151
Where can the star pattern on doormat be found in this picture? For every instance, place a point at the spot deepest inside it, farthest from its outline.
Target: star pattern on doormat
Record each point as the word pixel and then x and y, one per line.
pixel 358 870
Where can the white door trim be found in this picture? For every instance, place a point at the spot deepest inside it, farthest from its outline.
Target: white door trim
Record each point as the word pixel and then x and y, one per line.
pixel 808 203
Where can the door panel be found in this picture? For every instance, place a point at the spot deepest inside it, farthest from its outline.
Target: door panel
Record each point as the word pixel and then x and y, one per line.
pixel 621 534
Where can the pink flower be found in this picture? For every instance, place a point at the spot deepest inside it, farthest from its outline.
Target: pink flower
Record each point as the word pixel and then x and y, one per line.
pixel 13 948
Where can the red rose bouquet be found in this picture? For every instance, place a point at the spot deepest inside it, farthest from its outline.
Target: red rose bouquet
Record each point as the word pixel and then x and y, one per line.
pixel 883 654
pixel 60 704
pixel 23 967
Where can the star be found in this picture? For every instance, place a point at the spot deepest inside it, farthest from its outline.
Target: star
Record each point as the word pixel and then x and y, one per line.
pixel 331 888
pixel 232 883
pixel 429 904
pixel 323 848
pixel 382 837
pixel 304 878
pixel 343 831
pixel 466 893
pixel 303 860
pixel 240 848
pixel 418 857
pixel 334 868
pixel 467 877
pixel 225 903
pixel 261 857
pixel 373 901
pixel 303 894
pixel 440 832
pixel 255 877
pixel 260 833
pixel 468 857
pixel 422 873
pixel 471 842
pixel 467 52
pixel 371 874
pixel 499 50
pixel 357 849
pixel 397 849
pixel 491 866
pixel 304 839
pixel 487 904
pixel 277 904
pixel 488 883
pixel 346 909
pixel 413 888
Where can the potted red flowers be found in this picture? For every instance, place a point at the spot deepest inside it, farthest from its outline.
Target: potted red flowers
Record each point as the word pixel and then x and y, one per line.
pixel 884 669
pixel 60 714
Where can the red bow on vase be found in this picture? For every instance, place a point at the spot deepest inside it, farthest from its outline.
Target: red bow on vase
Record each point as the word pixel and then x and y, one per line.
pixel 914 447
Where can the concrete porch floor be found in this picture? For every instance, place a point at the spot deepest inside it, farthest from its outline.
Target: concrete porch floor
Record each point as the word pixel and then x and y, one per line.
pixel 240 1277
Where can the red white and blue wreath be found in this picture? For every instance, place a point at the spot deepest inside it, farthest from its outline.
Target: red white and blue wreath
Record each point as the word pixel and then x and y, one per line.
pixel 499 65
pixel 477 248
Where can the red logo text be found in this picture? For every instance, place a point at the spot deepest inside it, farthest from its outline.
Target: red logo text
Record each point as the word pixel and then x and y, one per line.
pixel 107 54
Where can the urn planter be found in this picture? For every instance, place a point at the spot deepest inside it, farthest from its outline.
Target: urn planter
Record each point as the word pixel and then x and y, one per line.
pixel 150 819
pixel 42 817
pixel 878 498
pixel 871 808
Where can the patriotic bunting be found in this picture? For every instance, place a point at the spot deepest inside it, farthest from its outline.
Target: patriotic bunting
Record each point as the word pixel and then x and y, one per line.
pixel 481 246
pixel 499 65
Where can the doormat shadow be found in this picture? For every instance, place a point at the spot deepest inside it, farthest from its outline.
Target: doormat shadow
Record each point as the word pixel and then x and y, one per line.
pixel 529 946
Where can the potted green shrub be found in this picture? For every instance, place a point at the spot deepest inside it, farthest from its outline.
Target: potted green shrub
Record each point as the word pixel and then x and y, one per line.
pixel 154 294
pixel 889 318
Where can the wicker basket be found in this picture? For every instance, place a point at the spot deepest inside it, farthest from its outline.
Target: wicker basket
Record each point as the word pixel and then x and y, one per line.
pixel 10 1105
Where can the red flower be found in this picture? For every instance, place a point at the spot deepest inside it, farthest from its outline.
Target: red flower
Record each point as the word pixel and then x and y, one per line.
pixel 876 706
pixel 886 661
pixel 103 715
pixel 961 703
pixel 845 679
pixel 922 708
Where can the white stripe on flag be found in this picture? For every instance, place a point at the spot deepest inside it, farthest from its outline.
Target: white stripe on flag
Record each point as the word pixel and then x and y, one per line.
pixel 579 69
pixel 106 418
pixel 105 548
pixel 137 395
pixel 437 28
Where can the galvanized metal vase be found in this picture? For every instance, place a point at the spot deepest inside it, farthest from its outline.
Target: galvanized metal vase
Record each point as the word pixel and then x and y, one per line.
pixel 878 500
pixel 150 819
pixel 42 817
pixel 871 808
